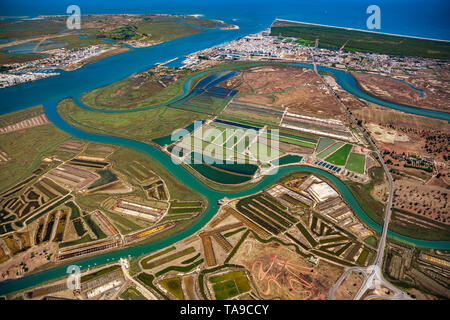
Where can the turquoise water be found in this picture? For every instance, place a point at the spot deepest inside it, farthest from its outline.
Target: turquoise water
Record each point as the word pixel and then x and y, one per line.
pixel 288 159
pixel 213 196
pixel 402 81
pixel 72 84
pixel 22 48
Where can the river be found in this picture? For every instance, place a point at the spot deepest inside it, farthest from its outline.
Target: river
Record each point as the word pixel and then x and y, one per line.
pixel 49 91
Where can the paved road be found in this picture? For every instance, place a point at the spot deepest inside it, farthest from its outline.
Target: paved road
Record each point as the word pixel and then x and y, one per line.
pixel 375 276
pixel 342 277
pixel 147 294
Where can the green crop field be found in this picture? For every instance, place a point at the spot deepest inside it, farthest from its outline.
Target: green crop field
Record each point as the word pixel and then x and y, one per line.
pixel 340 156
pixel 323 144
pixel 356 162
pixel 330 150
pixel 363 256
pixel 132 293
pixel 229 285
pixel 173 285
pixel 192 204
pixel 292 141
pixel 184 210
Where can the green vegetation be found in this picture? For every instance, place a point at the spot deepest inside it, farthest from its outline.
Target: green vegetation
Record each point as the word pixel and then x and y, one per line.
pixel 147 279
pixel 106 176
pixel 177 188
pixel 75 212
pixel 47 209
pixel 288 159
pixel 185 204
pixel 124 225
pixel 126 95
pixel 340 156
pixel 183 269
pixel 149 265
pixel 330 150
pixel 120 34
pixel 94 227
pixel 363 256
pixel 430 230
pixel 84 239
pixel 232 233
pixel 184 210
pixel 356 162
pixel 164 29
pixel 332 258
pixel 30 28
pixel 173 285
pixel 6 58
pixel 306 234
pixel 26 147
pixel 323 144
pixel 176 217
pixel 79 227
pixel 371 241
pixel 98 273
pixel 229 285
pixel 161 253
pixel 297 142
pixel 361 41
pixel 140 125
pixel 363 194
pixel 131 293
pixel 190 260
pixel 74 42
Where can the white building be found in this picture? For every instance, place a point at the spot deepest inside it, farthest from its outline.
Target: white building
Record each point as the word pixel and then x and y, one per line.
pixel 322 191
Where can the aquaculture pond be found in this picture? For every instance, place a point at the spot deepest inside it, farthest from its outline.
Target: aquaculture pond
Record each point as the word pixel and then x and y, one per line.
pixel 224 173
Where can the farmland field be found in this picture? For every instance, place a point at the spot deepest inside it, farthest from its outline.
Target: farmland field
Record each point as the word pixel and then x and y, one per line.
pixel 324 143
pixel 132 293
pixel 356 162
pixel 229 285
pixel 340 156
pixel 330 150
pixel 173 285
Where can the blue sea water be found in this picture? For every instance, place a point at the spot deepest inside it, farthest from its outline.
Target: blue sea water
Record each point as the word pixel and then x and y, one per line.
pixel 418 18
pixel 425 18
pixel 251 16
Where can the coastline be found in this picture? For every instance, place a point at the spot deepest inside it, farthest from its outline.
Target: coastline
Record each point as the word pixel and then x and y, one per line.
pixel 361 30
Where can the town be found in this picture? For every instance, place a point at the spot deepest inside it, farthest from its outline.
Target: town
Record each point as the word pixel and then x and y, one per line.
pixel 263 46
pixel 56 59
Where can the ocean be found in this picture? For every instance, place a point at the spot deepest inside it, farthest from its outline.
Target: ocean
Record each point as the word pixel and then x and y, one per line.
pixel 400 17
pixel 423 18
